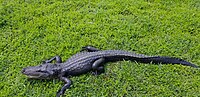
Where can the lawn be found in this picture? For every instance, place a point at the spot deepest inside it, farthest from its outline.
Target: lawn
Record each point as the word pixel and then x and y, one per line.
pixel 34 30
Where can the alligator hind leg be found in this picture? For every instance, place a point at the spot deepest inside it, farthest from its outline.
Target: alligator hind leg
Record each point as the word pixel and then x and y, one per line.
pixel 56 58
pixel 97 66
pixel 89 49
pixel 99 71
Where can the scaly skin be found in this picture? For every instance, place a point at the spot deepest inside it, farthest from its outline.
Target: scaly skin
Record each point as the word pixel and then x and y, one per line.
pixel 91 60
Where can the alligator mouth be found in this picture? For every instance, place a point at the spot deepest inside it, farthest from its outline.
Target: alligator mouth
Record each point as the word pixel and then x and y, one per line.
pixel 32 74
pixel 33 77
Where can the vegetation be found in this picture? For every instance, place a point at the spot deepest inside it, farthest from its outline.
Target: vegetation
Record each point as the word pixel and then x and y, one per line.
pixel 35 30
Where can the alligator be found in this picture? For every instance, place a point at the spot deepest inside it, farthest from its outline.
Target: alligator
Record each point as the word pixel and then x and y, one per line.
pixel 90 59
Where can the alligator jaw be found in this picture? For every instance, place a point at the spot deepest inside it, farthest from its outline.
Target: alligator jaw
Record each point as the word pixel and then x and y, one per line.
pixel 30 74
pixel 36 72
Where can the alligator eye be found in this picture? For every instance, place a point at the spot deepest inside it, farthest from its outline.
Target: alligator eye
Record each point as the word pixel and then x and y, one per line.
pixel 39 71
pixel 42 71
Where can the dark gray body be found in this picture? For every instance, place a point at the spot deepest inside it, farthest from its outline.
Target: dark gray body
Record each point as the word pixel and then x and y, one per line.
pixel 90 60
pixel 82 62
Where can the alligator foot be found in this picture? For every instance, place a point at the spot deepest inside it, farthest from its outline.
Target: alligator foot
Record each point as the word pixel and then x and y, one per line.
pixel 89 49
pixel 56 58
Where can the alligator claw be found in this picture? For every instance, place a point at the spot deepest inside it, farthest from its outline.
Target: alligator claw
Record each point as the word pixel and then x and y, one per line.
pixel 59 93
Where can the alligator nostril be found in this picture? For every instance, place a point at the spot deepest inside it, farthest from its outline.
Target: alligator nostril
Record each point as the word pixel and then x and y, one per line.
pixel 23 70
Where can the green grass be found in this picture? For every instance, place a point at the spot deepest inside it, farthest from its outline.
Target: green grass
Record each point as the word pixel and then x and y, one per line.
pixel 35 30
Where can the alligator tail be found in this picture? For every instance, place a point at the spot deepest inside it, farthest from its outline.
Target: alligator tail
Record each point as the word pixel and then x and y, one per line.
pixel 165 60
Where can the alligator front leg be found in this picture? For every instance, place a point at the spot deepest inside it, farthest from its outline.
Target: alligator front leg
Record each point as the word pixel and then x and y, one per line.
pixel 89 49
pixel 56 58
pixel 68 83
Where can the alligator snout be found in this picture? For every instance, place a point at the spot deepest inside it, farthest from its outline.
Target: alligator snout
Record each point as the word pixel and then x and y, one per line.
pixel 23 70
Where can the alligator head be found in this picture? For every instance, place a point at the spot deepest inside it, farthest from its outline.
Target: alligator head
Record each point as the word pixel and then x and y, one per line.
pixel 43 71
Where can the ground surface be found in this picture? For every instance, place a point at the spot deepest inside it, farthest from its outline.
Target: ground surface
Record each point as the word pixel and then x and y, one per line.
pixel 35 30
